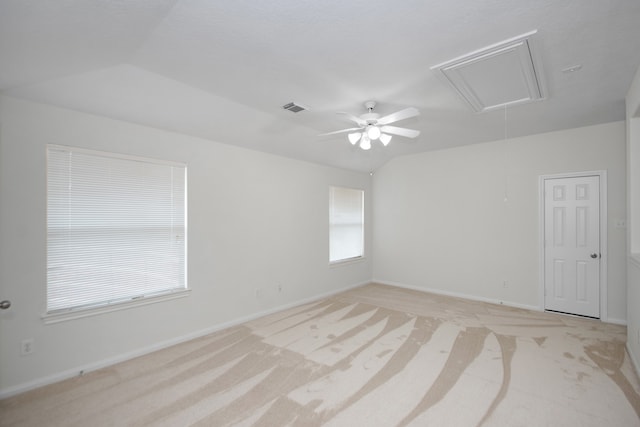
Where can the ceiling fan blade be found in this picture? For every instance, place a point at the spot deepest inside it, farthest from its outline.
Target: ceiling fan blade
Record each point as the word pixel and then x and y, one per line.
pixel 398 115
pixel 356 120
pixel 408 133
pixel 340 131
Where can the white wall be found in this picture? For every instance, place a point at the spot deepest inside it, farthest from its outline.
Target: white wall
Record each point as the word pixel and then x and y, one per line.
pixel 255 221
pixel 633 224
pixel 441 222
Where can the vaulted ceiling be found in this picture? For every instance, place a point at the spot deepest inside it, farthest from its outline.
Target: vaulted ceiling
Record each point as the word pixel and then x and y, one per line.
pixel 223 70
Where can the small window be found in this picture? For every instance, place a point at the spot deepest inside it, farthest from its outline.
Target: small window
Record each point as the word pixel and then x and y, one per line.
pixel 116 228
pixel 346 224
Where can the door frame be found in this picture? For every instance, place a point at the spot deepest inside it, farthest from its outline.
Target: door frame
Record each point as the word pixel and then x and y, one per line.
pixel 603 235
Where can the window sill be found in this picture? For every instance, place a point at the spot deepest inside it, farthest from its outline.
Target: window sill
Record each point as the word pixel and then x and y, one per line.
pixel 87 312
pixel 347 261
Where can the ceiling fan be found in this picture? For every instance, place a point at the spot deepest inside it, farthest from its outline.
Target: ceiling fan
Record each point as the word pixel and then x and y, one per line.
pixel 372 127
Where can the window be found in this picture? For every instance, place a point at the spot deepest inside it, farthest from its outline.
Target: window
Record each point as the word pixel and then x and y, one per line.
pixel 346 224
pixel 116 228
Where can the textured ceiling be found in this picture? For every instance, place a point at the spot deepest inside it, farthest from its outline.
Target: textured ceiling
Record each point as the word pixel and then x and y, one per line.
pixel 223 70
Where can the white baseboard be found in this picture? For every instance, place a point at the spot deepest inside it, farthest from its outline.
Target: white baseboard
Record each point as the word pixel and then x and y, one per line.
pixel 80 370
pixel 622 322
pixel 458 295
pixel 633 358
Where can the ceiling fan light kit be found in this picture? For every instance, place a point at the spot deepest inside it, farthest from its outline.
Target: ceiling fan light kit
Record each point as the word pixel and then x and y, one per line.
pixel 373 132
pixel 372 127
pixel 354 138
pixel 365 142
pixel 385 139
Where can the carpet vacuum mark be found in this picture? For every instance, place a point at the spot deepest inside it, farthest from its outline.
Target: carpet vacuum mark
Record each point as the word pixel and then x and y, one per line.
pixel 372 356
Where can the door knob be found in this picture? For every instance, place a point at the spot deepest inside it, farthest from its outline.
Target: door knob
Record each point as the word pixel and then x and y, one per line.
pixel 5 304
pixel 594 255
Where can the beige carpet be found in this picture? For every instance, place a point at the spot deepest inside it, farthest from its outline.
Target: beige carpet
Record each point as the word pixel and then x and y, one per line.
pixel 373 356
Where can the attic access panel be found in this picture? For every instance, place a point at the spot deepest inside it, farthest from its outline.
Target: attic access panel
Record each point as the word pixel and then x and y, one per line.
pixel 506 73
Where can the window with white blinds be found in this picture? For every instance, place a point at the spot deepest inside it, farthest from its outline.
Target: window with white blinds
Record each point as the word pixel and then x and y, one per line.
pixel 116 228
pixel 346 224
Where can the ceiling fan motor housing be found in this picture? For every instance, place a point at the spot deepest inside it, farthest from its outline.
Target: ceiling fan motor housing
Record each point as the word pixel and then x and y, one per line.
pixel 370 118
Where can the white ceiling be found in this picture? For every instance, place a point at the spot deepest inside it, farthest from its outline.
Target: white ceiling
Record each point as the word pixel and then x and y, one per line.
pixel 222 70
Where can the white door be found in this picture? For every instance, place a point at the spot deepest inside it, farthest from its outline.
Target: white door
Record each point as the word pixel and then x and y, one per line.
pixel 572 245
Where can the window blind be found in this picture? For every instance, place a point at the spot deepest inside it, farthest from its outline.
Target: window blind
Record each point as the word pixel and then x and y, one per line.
pixel 346 223
pixel 116 228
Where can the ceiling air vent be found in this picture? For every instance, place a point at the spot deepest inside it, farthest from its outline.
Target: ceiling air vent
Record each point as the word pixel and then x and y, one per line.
pixel 294 108
pixel 503 74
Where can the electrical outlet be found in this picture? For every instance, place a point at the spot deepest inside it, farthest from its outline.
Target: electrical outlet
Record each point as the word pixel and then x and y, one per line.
pixel 620 223
pixel 279 288
pixel 258 292
pixel 26 347
pixel 504 284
